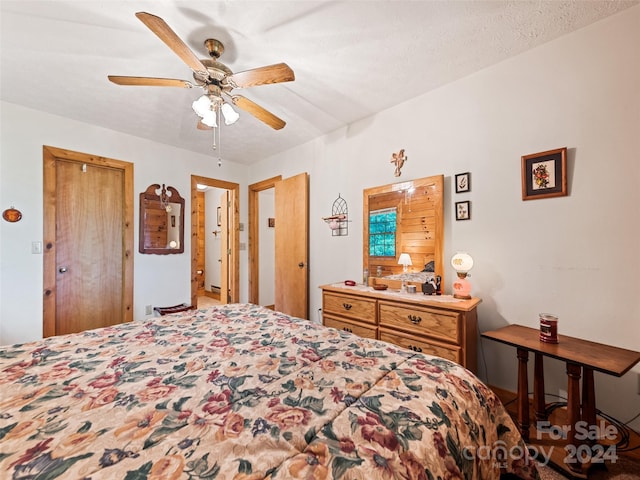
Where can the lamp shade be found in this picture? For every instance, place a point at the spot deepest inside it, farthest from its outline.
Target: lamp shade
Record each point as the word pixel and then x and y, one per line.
pixel 462 262
pixel 202 105
pixel 230 115
pixel 404 260
pixel 209 119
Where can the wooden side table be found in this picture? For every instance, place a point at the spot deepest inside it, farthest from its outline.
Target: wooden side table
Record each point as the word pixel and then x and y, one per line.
pixel 581 357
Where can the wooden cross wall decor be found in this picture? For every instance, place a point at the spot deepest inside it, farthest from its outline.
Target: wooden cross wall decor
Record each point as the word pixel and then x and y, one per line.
pixel 398 159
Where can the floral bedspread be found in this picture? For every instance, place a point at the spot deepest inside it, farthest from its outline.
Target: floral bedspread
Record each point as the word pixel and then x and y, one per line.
pixel 241 392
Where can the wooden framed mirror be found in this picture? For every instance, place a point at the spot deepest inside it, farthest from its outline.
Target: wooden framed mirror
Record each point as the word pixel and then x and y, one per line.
pixel 404 217
pixel 161 220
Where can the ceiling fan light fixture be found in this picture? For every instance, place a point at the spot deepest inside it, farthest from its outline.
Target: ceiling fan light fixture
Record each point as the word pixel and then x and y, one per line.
pixel 230 115
pixel 214 77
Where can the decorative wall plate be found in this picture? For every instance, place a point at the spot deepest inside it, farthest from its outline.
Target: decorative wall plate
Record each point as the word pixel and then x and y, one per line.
pixel 12 215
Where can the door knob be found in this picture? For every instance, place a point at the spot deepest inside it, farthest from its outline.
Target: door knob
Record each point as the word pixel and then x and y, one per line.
pixel 301 265
pixel 62 269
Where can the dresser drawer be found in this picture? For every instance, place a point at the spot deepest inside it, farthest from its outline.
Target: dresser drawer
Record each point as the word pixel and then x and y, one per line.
pixel 359 308
pixel 351 327
pixel 422 345
pixel 439 324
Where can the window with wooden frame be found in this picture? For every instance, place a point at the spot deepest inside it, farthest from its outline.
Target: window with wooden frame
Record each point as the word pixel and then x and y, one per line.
pixel 382 232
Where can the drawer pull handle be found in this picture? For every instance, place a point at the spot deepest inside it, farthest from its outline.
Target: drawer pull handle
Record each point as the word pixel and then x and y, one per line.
pixel 347 329
pixel 347 306
pixel 415 319
pixel 415 349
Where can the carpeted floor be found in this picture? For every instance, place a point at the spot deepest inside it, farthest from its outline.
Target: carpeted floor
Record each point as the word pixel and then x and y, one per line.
pixel 624 469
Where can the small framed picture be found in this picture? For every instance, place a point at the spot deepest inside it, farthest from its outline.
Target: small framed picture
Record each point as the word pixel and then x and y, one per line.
pixel 544 174
pixel 463 182
pixel 271 222
pixel 463 210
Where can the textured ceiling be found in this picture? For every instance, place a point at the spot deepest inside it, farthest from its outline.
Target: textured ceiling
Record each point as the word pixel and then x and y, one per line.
pixel 351 59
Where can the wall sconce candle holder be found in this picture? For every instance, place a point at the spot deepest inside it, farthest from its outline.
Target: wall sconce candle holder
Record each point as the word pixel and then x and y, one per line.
pixel 339 220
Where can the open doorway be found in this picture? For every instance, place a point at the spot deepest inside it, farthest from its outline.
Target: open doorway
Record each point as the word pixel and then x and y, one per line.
pixel 261 247
pixel 290 252
pixel 215 241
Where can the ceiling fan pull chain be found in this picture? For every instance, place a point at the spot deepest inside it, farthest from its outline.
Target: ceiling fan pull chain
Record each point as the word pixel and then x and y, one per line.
pixel 219 140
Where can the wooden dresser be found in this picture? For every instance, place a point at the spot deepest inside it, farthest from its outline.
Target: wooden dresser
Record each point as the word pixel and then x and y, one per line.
pixel 436 325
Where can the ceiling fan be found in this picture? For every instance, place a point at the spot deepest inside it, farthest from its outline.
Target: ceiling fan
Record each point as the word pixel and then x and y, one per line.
pixel 215 78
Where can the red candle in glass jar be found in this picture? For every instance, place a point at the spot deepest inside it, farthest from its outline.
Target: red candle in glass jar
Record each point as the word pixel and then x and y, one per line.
pixel 548 328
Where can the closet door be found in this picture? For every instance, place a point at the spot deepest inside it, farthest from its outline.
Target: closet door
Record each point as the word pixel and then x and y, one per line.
pixel 88 239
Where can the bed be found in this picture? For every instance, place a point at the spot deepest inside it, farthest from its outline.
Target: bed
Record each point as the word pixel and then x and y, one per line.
pixel 242 392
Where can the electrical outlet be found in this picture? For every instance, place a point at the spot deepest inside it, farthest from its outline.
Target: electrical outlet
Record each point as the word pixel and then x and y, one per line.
pixel 148 310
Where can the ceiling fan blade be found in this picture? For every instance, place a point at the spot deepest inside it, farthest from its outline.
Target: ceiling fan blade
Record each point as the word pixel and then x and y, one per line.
pixel 149 81
pixel 258 112
pixel 158 26
pixel 280 72
pixel 202 126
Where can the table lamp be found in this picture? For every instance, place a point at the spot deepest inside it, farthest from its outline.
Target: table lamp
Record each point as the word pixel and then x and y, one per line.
pixel 462 263
pixel 405 261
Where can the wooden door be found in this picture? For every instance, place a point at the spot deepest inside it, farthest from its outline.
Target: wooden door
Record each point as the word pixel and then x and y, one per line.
pixel 224 248
pixel 201 252
pixel 88 264
pixel 292 246
pixel 233 229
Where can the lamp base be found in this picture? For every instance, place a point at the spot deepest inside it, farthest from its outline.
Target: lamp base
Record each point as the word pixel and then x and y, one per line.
pixel 462 287
pixel 462 297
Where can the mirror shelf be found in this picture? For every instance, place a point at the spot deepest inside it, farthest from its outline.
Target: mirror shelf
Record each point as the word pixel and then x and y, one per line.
pixel 404 217
pixel 161 220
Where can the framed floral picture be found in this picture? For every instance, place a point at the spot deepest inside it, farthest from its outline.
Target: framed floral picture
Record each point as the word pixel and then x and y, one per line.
pixel 463 210
pixel 463 182
pixel 544 174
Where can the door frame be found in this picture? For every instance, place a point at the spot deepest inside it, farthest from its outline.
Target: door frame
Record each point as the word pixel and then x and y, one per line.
pixel 50 156
pixel 234 263
pixel 254 237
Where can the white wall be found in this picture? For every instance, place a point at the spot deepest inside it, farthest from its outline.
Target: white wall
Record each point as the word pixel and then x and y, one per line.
pixel 266 248
pixel 158 279
pixel 576 256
